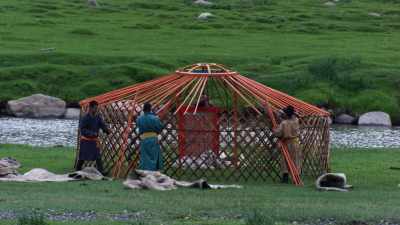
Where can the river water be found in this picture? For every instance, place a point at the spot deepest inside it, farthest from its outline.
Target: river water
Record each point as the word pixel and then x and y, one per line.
pixel 60 132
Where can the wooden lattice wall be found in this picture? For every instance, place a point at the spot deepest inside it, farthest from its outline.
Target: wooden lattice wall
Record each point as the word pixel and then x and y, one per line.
pixel 246 150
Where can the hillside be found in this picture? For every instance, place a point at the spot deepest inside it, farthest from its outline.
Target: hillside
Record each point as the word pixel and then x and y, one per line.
pixel 344 56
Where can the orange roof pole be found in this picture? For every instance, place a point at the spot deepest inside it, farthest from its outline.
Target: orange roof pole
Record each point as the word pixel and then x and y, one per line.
pixel 289 162
pixel 176 96
pixel 190 93
pixel 289 99
pixel 266 94
pixel 294 173
pixel 171 91
pixel 241 95
pixel 149 90
pixel 197 92
pixel 200 94
pixel 113 95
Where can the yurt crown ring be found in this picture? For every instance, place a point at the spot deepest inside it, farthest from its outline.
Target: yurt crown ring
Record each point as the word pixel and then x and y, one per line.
pixel 206 69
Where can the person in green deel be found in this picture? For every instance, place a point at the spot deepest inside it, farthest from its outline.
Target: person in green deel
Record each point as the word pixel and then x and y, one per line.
pixel 150 152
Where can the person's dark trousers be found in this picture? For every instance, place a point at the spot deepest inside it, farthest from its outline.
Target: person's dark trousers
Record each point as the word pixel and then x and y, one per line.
pixel 79 164
pixel 99 165
pixel 285 178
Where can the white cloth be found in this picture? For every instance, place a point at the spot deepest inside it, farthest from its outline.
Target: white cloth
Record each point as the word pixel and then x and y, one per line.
pixel 42 175
pixel 143 179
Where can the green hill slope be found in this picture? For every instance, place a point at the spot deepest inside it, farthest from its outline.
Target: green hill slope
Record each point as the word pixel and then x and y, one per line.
pixel 344 56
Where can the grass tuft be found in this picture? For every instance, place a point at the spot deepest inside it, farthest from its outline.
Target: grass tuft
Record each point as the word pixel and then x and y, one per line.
pixel 82 31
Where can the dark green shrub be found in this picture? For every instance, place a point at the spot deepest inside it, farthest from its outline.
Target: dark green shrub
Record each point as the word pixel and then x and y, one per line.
pixel 46 6
pixel 152 5
pixel 248 3
pixel 257 218
pixel 374 100
pixel 370 29
pixel 144 26
pixel 37 10
pixel 276 60
pixel 83 31
pixel 138 223
pixel 324 69
pixel 316 96
pixel 34 218
pixel 332 68
pixel 194 26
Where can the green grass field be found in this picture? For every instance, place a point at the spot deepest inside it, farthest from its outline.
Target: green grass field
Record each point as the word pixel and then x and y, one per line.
pixel 338 56
pixel 375 195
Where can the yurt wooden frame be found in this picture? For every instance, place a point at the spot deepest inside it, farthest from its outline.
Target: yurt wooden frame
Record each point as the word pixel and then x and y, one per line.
pixel 239 115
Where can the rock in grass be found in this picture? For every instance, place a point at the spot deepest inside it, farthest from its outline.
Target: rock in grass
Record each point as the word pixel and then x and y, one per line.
pixel 8 166
pixel 202 2
pixel 344 119
pixel 93 3
pixel 329 4
pixel 47 49
pixel 374 14
pixel 375 119
pixel 72 113
pixel 37 106
pixel 205 16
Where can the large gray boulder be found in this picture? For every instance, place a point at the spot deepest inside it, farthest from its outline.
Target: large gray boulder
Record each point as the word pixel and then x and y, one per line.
pixel 72 113
pixel 37 106
pixel 344 119
pixel 375 119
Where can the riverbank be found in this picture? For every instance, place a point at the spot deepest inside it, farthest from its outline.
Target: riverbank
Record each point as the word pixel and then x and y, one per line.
pixel 61 132
pixel 374 198
pixel 319 53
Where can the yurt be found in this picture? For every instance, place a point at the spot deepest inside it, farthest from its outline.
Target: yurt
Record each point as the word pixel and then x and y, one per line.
pixel 217 125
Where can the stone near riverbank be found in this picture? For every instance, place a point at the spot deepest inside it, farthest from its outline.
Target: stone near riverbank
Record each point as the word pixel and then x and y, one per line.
pixel 72 113
pixel 37 106
pixel 344 119
pixel 375 119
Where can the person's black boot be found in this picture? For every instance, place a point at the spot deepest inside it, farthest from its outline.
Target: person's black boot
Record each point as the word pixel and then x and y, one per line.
pixel 285 178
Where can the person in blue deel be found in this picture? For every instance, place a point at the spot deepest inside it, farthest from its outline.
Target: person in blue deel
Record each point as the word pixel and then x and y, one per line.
pixel 89 126
pixel 150 152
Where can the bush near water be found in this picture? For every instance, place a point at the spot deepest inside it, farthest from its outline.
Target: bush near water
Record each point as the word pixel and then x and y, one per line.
pixel 343 56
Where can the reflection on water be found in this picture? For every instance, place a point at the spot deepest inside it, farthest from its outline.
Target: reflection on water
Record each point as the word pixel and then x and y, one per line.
pixel 365 137
pixel 63 132
pixel 36 132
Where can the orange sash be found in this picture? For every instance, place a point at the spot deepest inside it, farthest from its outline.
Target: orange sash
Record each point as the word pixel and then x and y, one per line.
pixel 89 138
